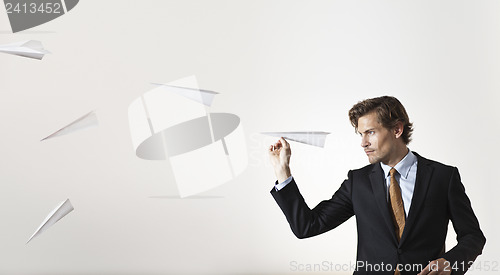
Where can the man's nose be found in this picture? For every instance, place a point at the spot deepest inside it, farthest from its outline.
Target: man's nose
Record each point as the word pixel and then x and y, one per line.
pixel 364 141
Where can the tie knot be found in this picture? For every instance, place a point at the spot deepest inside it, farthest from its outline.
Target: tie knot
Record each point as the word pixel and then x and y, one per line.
pixel 392 172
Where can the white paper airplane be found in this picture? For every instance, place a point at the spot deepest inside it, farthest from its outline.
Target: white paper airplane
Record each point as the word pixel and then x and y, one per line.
pixel 204 97
pixel 172 122
pixel 32 49
pixel 87 121
pixel 311 138
pixel 58 213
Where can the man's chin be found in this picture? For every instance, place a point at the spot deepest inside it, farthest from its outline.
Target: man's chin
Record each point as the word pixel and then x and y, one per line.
pixel 373 160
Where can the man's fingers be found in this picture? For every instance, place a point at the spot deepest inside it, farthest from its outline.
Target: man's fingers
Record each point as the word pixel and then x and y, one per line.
pixel 439 266
pixel 425 271
pixel 274 147
pixel 284 142
pixel 281 143
pixel 277 145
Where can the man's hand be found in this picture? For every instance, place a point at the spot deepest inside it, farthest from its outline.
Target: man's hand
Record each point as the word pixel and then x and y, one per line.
pixel 437 267
pixel 279 154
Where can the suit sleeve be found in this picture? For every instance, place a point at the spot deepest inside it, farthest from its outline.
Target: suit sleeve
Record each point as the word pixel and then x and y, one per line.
pixel 469 236
pixel 328 214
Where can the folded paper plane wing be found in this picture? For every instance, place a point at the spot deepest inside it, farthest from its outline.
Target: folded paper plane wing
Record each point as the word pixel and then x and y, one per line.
pixel 204 97
pixel 84 122
pixel 310 138
pixel 58 213
pixel 31 49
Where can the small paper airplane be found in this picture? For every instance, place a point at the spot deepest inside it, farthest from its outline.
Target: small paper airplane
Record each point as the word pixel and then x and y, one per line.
pixel 32 49
pixel 87 121
pixel 58 213
pixel 204 97
pixel 311 138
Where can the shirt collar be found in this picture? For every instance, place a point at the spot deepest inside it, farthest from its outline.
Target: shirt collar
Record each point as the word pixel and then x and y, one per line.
pixel 403 167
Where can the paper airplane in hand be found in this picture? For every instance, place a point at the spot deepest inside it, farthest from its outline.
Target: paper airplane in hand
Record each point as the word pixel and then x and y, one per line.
pixel 58 213
pixel 311 138
pixel 204 97
pixel 86 121
pixel 32 49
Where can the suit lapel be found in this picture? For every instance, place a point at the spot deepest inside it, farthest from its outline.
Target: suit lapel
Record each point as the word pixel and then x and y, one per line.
pixel 377 181
pixel 424 173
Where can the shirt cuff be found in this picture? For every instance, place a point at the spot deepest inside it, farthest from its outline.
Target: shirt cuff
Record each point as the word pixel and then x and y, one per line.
pixel 280 186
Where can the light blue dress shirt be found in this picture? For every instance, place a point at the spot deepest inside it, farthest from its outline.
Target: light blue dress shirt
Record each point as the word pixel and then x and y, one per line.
pixel 280 186
pixel 406 176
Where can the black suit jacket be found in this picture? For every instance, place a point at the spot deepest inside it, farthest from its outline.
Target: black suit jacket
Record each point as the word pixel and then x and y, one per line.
pixel 439 196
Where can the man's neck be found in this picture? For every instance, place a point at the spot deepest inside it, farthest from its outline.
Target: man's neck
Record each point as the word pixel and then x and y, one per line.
pixel 398 156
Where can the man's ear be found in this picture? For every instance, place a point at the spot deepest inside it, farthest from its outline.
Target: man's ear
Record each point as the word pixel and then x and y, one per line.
pixel 398 129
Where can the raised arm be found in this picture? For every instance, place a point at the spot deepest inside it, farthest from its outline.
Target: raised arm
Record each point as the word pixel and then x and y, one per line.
pixel 306 222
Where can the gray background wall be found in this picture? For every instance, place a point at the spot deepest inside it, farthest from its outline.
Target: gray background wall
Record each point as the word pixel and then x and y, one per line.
pixel 279 65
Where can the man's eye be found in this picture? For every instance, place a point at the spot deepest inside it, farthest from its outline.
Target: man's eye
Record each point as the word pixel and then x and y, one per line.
pixel 371 132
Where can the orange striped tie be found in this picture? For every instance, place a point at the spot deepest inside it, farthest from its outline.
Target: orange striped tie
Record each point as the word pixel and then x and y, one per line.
pixel 397 208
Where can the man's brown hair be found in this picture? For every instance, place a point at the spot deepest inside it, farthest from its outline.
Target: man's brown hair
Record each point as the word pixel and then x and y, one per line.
pixel 389 112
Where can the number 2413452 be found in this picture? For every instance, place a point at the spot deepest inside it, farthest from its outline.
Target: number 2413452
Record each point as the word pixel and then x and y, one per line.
pixel 33 8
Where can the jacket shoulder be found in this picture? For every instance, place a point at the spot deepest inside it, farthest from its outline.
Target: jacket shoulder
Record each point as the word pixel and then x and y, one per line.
pixel 366 169
pixel 433 163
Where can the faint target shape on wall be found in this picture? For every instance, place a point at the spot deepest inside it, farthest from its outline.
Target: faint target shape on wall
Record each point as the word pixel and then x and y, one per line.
pixel 26 14
pixel 173 122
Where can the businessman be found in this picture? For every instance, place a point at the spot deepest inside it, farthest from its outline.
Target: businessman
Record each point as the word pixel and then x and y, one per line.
pixel 402 201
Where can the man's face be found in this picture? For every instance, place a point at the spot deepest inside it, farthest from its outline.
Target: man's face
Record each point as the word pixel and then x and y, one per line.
pixel 377 141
